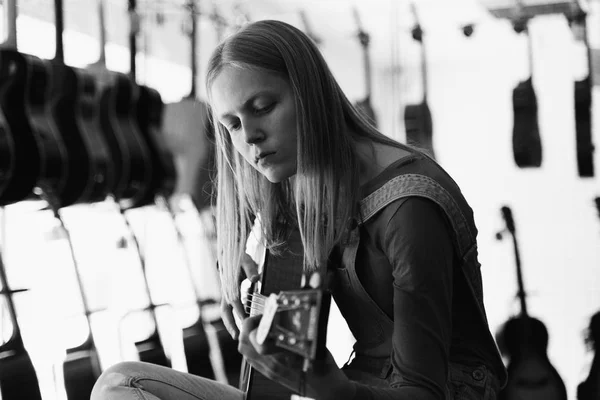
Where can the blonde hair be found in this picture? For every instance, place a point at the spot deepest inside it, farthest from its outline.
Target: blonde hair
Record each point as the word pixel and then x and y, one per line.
pixel 324 194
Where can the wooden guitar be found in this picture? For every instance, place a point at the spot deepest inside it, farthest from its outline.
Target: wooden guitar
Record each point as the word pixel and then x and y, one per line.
pixel 417 117
pixel 364 105
pixel 75 110
pixel 590 388
pixel 583 99
pixel 81 367
pixel 117 96
pixel 149 112
pixel 524 339
pixel 21 161
pixel 526 141
pixel 18 379
pixel 295 319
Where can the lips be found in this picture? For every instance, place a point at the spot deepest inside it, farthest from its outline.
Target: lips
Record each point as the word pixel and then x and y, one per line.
pixel 262 155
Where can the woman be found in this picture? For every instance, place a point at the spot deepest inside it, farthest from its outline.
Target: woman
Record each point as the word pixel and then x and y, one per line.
pixel 292 149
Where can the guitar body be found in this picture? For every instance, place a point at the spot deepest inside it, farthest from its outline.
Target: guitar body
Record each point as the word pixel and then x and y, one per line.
pixel 419 126
pixel 101 174
pixel 590 388
pixel 527 144
pixel 81 369
pixel 149 120
pixel 133 167
pixel 583 127
pixel 18 378
pixel 530 374
pixel 55 159
pixel 283 272
pixel 20 157
pixel 63 98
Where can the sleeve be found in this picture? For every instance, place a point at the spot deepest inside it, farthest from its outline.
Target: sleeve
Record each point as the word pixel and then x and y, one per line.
pixel 418 244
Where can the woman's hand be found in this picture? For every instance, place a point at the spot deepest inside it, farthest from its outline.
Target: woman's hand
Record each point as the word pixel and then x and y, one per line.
pixel 323 382
pixel 233 314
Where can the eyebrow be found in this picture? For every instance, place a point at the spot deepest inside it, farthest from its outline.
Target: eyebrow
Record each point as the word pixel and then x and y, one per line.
pixel 247 103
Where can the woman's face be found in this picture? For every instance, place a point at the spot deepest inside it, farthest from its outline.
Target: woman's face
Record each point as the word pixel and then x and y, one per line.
pixel 257 109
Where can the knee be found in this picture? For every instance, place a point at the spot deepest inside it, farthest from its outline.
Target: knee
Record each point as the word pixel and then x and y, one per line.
pixel 118 375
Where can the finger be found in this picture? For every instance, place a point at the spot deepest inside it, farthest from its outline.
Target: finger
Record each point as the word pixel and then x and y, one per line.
pixel 229 320
pixel 250 268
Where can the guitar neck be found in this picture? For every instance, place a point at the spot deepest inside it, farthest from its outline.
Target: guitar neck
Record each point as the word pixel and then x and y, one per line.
pixel 10 14
pixel 58 30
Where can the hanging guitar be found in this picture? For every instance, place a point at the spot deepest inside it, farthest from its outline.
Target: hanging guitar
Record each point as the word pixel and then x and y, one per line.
pixel 524 339
pixel 25 158
pixel 18 378
pixel 526 141
pixel 590 388
pixel 583 98
pixel 81 367
pixel 417 117
pixel 117 97
pixel 295 319
pixel 189 133
pixel 85 172
pixel 149 111
pixel 364 38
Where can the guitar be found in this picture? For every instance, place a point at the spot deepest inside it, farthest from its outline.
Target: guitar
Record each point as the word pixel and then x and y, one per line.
pixel 149 120
pixel 117 96
pixel 295 319
pixel 583 99
pixel 525 340
pixel 364 105
pixel 20 155
pixel 417 117
pixel 526 141
pixel 188 130
pixel 81 367
pixel 590 388
pixel 18 379
pixel 70 107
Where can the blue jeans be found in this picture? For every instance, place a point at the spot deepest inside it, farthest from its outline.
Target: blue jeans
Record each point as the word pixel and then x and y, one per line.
pixel 143 381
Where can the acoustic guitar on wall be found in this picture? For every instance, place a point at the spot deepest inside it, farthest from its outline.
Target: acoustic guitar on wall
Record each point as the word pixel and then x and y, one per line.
pixel 589 389
pixel 583 97
pixel 524 340
pixel 417 117
pixel 526 140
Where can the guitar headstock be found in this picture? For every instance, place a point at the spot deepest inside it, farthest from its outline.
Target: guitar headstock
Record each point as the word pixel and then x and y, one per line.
pixel 294 321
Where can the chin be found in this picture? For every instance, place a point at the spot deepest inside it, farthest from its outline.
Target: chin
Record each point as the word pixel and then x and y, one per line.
pixel 278 176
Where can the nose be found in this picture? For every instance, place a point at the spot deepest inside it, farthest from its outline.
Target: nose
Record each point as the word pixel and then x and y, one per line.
pixel 252 132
